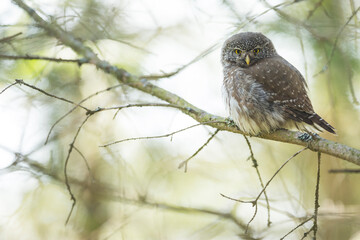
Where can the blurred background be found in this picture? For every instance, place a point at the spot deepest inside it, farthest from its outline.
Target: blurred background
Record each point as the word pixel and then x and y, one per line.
pixel 134 189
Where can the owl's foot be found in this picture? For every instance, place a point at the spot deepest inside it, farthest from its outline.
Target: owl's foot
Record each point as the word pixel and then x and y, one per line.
pixel 230 122
pixel 306 137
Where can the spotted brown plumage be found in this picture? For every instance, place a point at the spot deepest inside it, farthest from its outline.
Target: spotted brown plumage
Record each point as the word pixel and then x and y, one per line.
pixel 262 91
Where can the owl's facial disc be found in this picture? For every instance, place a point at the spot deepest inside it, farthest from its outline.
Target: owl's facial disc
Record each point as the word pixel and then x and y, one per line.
pixel 246 49
pixel 252 56
pixel 244 57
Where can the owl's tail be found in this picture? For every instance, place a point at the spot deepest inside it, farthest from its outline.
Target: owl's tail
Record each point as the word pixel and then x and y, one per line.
pixel 312 119
pixel 316 119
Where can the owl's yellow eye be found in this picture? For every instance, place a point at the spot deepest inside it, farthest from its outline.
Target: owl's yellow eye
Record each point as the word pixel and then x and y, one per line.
pixel 256 50
pixel 237 51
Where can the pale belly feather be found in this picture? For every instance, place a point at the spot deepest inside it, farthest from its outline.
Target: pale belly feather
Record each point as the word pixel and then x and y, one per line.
pixel 248 106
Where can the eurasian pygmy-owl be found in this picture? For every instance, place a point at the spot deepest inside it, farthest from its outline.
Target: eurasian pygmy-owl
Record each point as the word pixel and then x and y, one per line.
pixel 262 91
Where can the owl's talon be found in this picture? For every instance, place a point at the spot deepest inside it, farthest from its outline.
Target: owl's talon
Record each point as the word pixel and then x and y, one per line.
pixel 305 137
pixel 230 122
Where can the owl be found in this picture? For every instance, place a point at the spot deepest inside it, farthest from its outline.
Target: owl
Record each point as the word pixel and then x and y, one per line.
pixel 262 91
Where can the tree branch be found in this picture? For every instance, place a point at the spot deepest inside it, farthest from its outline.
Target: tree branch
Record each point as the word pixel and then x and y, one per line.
pixel 7 39
pixel 35 57
pixel 108 192
pixel 319 144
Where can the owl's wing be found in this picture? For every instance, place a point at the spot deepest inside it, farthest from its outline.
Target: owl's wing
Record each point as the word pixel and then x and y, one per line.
pixel 287 88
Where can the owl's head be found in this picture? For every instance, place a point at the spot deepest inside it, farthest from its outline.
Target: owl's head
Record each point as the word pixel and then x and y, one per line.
pixel 245 49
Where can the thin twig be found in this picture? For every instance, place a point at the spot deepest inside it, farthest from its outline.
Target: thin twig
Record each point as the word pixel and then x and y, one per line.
pixel 277 171
pixel 252 218
pixel 311 12
pixel 338 35
pixel 307 232
pixel 170 74
pixel 352 5
pixel 181 209
pixel 296 22
pixel 185 162
pixel 158 136
pixel 249 20
pixel 85 161
pixel 303 53
pixel 112 108
pixel 238 200
pixel 344 170
pixel 254 202
pixel 352 91
pixel 292 230
pixel 256 166
pixel 6 39
pixel 143 49
pixel 77 105
pixel 232 8
pixel 7 87
pixel 130 105
pixel 317 205
pixel 67 183
pixel 21 82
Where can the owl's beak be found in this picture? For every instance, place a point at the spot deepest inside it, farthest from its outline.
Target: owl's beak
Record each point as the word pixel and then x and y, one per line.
pixel 247 59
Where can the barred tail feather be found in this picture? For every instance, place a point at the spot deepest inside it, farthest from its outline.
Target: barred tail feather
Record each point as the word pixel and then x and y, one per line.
pixel 311 119
pixel 316 119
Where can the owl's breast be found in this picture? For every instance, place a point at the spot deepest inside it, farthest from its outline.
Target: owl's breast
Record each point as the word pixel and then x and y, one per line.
pixel 244 91
pixel 248 103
